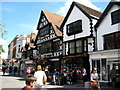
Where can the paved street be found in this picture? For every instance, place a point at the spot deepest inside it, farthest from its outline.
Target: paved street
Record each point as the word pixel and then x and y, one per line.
pixel 18 82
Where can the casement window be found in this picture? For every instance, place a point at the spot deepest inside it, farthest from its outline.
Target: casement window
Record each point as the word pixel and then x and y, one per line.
pixel 85 45
pixel 44 31
pixel 115 17
pixel 45 47
pixel 74 28
pixel 72 47
pixel 112 41
pixel 56 46
pixel 77 46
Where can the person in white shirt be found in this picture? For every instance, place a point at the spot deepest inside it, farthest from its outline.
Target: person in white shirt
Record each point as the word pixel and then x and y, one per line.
pixel 41 77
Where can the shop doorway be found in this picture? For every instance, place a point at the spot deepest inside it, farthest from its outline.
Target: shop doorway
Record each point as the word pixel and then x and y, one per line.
pixel 101 68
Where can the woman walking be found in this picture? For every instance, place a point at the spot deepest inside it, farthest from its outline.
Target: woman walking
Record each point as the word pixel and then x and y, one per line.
pixel 41 77
pixel 94 79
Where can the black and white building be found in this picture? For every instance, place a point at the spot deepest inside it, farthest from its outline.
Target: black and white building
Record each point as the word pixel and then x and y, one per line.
pixel 78 36
pixel 49 39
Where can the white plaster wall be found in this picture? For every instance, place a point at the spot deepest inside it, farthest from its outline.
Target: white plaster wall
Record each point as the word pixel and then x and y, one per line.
pixel 90 44
pixel 76 14
pixel 20 41
pixel 106 27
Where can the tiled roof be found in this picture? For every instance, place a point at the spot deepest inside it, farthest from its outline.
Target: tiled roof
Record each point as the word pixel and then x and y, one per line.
pixel 89 10
pixel 56 21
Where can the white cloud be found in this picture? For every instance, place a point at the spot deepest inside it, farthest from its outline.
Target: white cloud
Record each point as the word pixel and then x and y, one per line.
pixel 34 28
pixel 2 41
pixel 63 10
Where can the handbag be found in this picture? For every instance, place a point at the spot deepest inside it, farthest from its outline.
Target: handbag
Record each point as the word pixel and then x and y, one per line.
pixel 93 84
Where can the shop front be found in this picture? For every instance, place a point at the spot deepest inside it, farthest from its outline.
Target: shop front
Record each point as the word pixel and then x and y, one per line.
pixel 76 63
pixel 104 61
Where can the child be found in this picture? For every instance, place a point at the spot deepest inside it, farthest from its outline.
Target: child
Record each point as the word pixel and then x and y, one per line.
pixel 30 81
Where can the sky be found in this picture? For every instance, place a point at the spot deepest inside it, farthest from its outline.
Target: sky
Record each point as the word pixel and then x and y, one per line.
pixel 21 16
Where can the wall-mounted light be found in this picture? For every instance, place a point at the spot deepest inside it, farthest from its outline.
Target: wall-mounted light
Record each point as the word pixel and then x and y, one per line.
pixel 90 44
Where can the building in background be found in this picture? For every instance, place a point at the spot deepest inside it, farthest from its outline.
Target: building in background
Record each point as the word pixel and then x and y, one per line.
pixel 27 50
pixel 12 49
pixel 21 41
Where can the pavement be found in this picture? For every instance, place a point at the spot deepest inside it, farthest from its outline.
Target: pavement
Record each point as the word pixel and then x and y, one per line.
pixel 8 81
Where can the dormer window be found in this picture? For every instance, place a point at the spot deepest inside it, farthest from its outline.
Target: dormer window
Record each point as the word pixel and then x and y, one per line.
pixel 74 28
pixel 115 17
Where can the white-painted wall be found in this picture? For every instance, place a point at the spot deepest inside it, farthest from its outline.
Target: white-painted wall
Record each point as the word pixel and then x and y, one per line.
pixel 106 27
pixel 20 41
pixel 75 15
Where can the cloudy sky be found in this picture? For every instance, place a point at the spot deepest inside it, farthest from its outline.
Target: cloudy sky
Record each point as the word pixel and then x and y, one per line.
pixel 21 16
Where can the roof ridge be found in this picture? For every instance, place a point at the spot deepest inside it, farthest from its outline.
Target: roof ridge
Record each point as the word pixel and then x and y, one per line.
pixel 52 13
pixel 87 7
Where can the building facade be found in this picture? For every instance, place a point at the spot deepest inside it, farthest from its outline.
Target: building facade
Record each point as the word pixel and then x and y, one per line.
pixel 49 40
pixel 12 49
pixel 21 41
pixel 107 54
pixel 78 36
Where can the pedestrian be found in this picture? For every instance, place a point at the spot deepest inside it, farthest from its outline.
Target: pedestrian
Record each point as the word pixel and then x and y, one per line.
pixel 30 82
pixel 4 66
pixel 46 71
pixel 28 71
pixel 41 77
pixel 113 76
pixel 15 69
pixel 32 70
pixel 74 75
pixel 10 69
pixel 84 73
pixel 94 79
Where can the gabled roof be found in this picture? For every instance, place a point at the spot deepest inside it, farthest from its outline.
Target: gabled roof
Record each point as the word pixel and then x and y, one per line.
pixel 55 20
pixel 106 12
pixel 89 12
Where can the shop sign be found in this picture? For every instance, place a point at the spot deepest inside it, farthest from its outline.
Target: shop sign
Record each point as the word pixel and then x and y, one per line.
pixel 28 62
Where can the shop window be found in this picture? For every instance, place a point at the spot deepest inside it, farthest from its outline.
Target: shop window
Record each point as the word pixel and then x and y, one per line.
pixel 104 72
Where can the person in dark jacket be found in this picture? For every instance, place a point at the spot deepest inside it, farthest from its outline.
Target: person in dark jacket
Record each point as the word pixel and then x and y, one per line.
pixel 4 66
